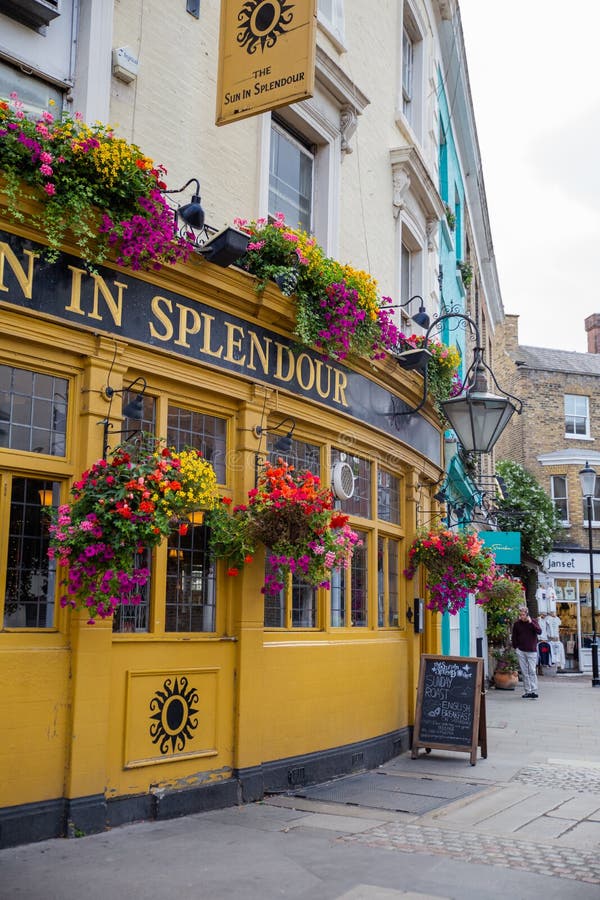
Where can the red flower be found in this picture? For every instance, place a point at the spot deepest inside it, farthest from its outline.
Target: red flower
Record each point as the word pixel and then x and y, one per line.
pixel 183 529
pixel 233 571
pixel 248 559
pixel 226 500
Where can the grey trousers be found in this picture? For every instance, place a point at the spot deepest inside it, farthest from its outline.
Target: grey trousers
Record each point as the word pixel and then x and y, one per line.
pixel 528 665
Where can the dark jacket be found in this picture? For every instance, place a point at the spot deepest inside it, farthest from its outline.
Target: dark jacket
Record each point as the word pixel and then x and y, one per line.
pixel 524 635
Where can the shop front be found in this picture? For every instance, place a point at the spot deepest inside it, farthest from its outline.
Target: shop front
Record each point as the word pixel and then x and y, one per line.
pixel 207 692
pixel 566 590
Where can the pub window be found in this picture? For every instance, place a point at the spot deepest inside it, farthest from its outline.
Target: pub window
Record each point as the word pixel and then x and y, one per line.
pixel 31 578
pixel 350 589
pixel 132 615
pixel 360 502
pixel 295 606
pixel 388 574
pixel 190 592
pixel 204 432
pixel 388 497
pixel 33 411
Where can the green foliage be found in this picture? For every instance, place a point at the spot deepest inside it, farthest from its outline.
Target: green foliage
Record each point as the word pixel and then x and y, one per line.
pixel 466 272
pixel 450 218
pixel 527 508
pixel 501 602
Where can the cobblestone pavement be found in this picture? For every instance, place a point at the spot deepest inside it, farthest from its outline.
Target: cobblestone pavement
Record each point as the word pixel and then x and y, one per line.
pixel 568 778
pixel 542 859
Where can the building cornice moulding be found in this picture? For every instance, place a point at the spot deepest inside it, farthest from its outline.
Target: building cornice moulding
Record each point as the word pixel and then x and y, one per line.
pixel 410 172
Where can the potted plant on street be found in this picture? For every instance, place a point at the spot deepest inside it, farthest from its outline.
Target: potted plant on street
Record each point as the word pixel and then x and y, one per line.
pixel 501 601
pixel 506 670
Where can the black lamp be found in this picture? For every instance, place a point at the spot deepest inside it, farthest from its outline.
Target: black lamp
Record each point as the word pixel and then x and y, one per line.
pixel 477 415
pixel 420 318
pixel 132 410
pixel 587 479
pixel 284 443
pixel 192 212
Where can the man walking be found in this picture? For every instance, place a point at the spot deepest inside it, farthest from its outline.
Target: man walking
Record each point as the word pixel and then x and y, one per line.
pixel 524 640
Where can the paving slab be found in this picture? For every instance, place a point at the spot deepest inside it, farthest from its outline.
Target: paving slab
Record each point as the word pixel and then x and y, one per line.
pixel 579 807
pixel 345 824
pixel 385 791
pixel 583 834
pixel 544 827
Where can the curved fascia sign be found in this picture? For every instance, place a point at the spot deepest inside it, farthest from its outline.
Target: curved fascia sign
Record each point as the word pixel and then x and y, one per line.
pixel 121 305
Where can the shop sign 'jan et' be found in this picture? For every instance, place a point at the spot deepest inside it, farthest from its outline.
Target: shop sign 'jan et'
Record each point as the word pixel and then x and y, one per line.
pixel 266 56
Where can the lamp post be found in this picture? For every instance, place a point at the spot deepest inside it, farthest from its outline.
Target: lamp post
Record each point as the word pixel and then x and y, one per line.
pixel 587 478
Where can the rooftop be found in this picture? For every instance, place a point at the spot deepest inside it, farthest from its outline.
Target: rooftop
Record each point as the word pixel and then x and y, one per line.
pixel 550 360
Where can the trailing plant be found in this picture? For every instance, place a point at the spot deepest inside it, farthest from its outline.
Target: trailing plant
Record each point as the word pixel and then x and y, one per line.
pixel 338 309
pixel 450 217
pixel 456 563
pixel 91 182
pixel 293 516
pixel 501 602
pixel 121 508
pixel 466 273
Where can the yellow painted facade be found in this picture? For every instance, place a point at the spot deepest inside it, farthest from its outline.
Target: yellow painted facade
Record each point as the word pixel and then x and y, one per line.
pixel 96 718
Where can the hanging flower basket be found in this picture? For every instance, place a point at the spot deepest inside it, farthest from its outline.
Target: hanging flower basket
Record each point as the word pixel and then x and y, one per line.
pixel 456 564
pixel 293 516
pixel 121 508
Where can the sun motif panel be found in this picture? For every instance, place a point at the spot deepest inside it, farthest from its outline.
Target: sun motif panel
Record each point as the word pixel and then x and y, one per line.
pixel 170 715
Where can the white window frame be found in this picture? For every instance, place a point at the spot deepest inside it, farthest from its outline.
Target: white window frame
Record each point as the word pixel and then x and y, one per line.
pixel 572 415
pixel 326 175
pixel 304 151
pixel 330 15
pixel 595 509
pixel 556 497
pixel 411 92
pixel 410 274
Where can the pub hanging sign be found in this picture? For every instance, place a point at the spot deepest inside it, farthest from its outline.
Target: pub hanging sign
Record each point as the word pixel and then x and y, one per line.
pixel 266 56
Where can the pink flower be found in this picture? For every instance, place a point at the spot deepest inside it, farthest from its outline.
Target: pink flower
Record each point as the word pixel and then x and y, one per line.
pixel 50 189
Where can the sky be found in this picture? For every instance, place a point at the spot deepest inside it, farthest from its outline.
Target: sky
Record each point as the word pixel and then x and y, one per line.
pixel 535 82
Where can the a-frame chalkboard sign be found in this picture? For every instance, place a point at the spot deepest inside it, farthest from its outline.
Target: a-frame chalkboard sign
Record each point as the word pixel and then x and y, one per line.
pixel 450 713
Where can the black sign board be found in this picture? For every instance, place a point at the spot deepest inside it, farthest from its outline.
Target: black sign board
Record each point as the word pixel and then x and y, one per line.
pixel 124 306
pixel 450 713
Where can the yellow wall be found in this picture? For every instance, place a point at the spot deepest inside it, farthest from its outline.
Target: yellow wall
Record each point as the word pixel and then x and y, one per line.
pixel 79 701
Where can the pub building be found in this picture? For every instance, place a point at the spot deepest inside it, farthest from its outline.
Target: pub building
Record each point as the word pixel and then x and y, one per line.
pixel 206 694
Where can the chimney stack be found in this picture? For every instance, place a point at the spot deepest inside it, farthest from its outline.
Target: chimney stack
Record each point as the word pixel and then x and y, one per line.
pixel 592 326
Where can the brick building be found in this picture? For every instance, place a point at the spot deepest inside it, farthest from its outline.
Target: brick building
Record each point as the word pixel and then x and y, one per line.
pixel 553 439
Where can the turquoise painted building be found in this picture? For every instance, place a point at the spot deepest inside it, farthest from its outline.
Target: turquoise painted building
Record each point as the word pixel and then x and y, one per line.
pixel 461 492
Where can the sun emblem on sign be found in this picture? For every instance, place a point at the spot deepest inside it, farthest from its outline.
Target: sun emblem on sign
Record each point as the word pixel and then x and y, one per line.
pixel 173 714
pixel 263 22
